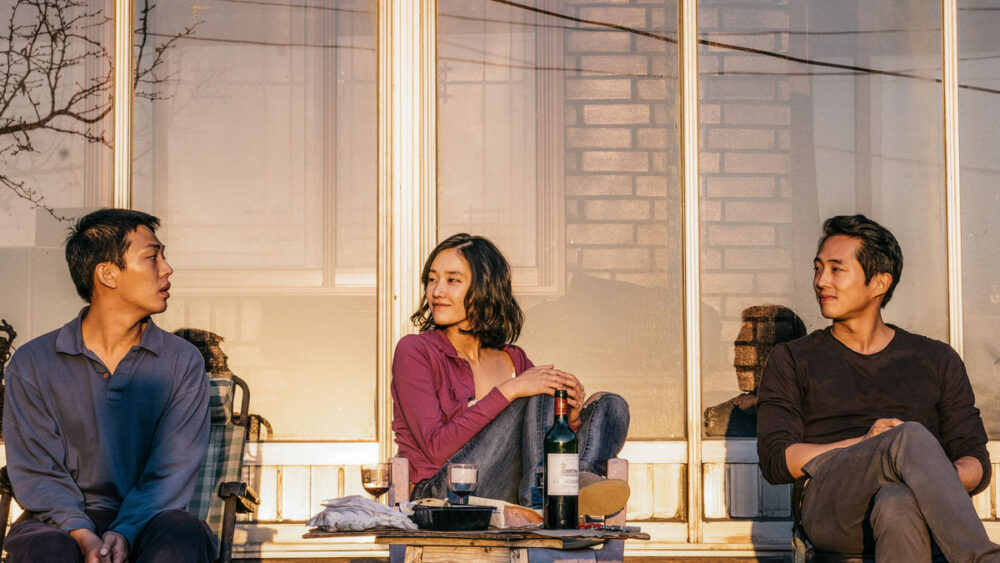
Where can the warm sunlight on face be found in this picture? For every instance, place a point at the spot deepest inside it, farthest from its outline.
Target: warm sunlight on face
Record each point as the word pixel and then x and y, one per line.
pixel 144 284
pixel 839 280
pixel 447 284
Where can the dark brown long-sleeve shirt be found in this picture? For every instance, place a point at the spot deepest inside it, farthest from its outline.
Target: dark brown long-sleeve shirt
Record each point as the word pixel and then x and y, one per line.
pixel 816 390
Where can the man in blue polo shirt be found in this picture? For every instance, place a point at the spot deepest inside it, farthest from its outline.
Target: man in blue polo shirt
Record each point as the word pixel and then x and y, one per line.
pixel 106 419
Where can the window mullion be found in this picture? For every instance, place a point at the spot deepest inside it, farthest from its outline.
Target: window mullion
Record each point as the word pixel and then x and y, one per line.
pixel 953 228
pixel 407 171
pixel 688 25
pixel 123 99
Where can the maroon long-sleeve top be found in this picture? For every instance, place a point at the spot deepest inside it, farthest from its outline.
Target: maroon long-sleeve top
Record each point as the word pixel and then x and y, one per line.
pixel 434 412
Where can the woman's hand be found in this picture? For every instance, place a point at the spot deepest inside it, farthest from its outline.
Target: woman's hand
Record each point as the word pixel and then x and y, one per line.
pixel 575 396
pixel 545 380
pixel 538 380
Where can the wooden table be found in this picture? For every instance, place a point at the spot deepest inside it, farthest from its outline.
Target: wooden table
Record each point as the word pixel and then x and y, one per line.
pixel 507 545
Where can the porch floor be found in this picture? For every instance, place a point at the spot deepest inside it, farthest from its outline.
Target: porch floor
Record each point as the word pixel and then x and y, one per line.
pixel 656 559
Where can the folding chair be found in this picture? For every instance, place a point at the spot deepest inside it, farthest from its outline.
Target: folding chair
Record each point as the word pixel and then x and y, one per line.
pixel 219 493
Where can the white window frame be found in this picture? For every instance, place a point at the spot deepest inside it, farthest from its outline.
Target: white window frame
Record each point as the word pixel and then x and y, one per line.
pixel 407 180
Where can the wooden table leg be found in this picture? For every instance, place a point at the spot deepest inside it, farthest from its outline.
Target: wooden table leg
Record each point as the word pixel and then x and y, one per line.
pixel 449 554
pixel 414 554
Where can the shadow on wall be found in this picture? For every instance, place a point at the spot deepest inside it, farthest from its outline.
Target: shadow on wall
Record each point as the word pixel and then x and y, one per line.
pixel 616 336
pixel 764 326
pixel 217 365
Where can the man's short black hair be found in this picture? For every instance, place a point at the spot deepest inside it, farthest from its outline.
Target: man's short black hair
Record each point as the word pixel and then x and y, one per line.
pixel 879 252
pixel 101 236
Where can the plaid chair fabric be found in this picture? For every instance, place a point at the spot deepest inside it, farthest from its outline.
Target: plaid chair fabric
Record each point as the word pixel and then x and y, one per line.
pixel 224 458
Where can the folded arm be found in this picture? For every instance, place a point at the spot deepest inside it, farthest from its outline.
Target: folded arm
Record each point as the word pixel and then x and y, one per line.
pixel 963 436
pixel 797 455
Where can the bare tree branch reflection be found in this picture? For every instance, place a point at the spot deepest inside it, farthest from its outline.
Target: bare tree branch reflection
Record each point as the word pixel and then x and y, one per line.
pixel 57 77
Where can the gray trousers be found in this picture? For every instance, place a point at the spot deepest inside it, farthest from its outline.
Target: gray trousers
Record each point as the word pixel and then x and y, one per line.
pixel 895 490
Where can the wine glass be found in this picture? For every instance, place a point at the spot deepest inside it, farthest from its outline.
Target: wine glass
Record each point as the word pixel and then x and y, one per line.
pixel 375 478
pixel 462 479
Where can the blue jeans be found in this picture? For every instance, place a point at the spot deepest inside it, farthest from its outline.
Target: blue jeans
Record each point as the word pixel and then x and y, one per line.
pixel 509 449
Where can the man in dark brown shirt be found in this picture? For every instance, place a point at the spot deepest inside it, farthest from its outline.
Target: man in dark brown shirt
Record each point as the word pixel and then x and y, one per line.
pixel 879 424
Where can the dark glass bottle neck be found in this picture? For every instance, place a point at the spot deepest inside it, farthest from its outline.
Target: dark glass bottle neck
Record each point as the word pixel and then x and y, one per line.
pixel 561 406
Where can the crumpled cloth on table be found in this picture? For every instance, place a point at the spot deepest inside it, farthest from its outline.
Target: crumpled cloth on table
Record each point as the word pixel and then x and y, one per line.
pixel 356 513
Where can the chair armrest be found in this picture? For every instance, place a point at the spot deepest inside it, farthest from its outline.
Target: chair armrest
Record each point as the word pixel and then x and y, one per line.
pixel 399 480
pixel 239 497
pixel 617 469
pixel 5 486
pixel 6 495
pixel 245 497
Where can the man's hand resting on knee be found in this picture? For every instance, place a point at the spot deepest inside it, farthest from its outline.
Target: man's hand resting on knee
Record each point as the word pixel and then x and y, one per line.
pixel 880 426
pixel 113 548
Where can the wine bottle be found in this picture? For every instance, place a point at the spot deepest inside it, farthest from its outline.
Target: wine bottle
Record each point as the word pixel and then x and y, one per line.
pixel 562 466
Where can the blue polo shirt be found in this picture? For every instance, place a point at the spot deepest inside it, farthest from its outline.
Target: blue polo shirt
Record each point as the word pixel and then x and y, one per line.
pixel 79 438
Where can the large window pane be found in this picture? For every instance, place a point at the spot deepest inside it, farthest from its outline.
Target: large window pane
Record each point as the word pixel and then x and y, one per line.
pixel 55 149
pixel 558 139
pixel 258 150
pixel 979 106
pixel 808 110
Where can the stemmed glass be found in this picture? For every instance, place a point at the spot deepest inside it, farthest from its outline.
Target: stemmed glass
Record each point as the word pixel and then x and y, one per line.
pixel 375 478
pixel 462 479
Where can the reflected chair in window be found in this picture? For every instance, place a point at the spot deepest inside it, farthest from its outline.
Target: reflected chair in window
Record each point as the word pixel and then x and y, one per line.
pixel 804 552
pixel 219 494
pixel 612 550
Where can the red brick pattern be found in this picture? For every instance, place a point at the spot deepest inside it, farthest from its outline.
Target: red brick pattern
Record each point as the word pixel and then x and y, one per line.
pixel 622 187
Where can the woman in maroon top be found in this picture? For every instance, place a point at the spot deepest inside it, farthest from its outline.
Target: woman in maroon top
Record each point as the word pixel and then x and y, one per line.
pixel 463 393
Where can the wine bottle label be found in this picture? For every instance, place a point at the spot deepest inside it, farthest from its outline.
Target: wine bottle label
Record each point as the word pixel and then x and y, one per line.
pixel 563 475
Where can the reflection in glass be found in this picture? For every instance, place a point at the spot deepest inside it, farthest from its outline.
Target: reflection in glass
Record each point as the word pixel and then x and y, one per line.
pixel 764 326
pixel 55 148
pixel 557 136
pixel 979 106
pixel 258 153
pixel 808 110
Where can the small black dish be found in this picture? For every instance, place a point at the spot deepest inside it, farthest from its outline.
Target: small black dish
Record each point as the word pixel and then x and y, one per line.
pixel 452 518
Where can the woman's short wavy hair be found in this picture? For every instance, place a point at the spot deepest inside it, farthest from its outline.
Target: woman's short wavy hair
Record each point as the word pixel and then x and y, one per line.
pixel 493 313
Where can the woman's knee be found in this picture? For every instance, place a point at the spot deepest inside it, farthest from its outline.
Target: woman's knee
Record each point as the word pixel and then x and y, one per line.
pixel 607 401
pixel 612 411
